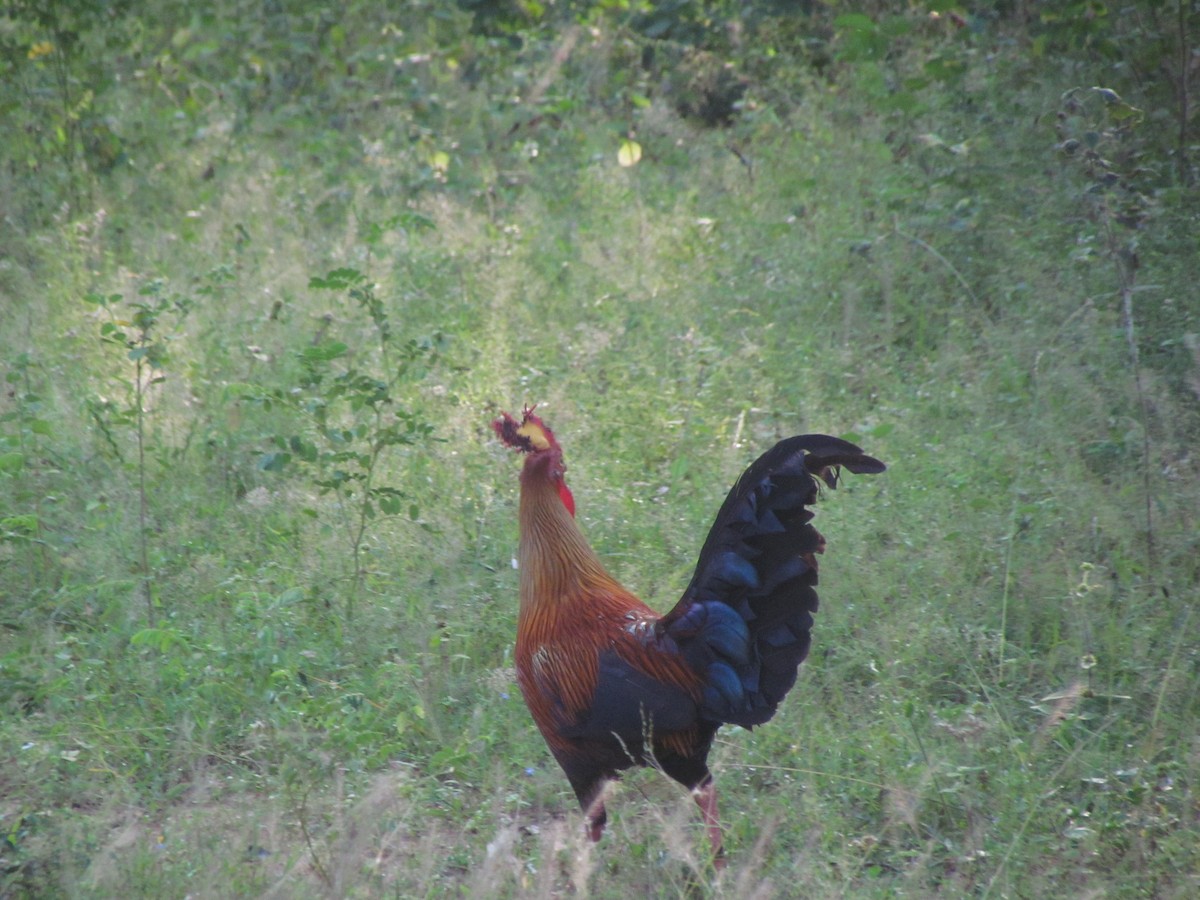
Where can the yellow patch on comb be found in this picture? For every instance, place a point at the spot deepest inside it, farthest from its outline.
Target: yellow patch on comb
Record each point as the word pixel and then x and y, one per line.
pixel 535 434
pixel 530 435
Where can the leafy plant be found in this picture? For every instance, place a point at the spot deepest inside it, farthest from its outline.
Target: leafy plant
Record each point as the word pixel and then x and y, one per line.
pixel 357 414
pixel 138 327
pixel 53 79
pixel 25 435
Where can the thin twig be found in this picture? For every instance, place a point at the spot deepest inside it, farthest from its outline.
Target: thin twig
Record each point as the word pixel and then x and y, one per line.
pixel 1125 267
pixel 1006 593
pixel 940 258
pixel 797 770
pixel 143 540
pixel 561 54
pixel 745 161
pixel 1185 54
pixel 308 841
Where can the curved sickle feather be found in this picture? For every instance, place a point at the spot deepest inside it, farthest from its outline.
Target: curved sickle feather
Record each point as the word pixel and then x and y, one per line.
pixel 745 618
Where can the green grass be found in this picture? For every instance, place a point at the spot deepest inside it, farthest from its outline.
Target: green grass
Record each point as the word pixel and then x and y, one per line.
pixel 1000 700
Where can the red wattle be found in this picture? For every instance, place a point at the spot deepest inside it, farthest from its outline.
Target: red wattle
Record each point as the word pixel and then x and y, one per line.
pixel 568 500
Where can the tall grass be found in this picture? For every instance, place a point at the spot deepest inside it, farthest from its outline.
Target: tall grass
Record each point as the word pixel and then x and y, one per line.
pixel 1000 699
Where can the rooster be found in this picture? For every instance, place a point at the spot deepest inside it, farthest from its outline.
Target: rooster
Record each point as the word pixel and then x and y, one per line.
pixel 611 683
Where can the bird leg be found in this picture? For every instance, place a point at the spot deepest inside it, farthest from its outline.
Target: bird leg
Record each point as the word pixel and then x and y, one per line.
pixel 705 795
pixel 595 815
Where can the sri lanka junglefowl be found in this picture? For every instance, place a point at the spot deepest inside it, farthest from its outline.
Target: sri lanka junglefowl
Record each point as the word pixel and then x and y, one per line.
pixel 613 684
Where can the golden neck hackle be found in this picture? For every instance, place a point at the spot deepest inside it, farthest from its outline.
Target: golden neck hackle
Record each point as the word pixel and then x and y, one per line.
pixel 557 565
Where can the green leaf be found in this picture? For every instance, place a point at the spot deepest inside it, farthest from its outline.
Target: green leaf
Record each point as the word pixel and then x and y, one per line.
pixel 337 280
pixel 161 639
pixel 679 469
pixel 19 526
pixel 274 462
pixel 415 221
pixel 326 351
pixel 288 597
pixel 306 450
pixel 854 22
pixel 12 462
pixel 444 761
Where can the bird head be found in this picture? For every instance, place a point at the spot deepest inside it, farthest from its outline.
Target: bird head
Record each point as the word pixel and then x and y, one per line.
pixel 533 437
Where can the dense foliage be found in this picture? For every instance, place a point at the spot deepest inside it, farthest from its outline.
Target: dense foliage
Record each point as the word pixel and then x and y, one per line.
pixel 268 271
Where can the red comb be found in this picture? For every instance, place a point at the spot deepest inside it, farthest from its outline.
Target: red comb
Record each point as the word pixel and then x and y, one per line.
pixel 530 435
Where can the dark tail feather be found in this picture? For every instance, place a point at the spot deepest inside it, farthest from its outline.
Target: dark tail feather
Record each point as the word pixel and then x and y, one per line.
pixel 746 616
pixel 827 453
